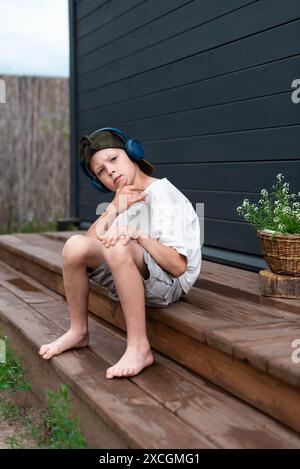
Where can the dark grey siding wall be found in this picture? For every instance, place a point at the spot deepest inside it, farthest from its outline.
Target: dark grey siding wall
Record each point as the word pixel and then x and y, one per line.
pixel 206 86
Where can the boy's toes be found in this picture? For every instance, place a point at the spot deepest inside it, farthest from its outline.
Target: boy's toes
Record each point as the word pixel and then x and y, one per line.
pixel 109 373
pixel 43 349
pixel 47 355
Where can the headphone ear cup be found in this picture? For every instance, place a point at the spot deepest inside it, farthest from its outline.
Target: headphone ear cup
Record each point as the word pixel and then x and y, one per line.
pixel 134 149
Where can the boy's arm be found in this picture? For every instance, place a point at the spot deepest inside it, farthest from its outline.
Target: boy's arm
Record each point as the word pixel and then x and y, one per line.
pixel 103 222
pixel 166 256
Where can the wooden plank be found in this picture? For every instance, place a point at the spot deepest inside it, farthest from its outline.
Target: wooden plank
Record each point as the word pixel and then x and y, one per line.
pixel 262 391
pixel 16 245
pixel 7 272
pixel 84 9
pixel 258 344
pixel 170 19
pixel 271 45
pixel 120 403
pixel 61 235
pixel 39 240
pixel 234 310
pixel 234 281
pixel 196 320
pixel 231 28
pixel 223 419
pixel 283 367
pixel 266 79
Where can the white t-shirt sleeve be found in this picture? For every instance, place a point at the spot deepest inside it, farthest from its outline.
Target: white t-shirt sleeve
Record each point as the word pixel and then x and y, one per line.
pixel 176 224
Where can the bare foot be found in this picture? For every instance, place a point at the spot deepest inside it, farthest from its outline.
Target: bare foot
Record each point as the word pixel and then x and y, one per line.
pixel 131 363
pixel 69 340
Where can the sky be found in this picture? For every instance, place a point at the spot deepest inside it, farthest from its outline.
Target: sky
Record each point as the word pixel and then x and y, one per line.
pixel 34 37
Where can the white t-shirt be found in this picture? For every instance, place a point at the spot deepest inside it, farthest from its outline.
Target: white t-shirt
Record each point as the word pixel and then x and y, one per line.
pixel 168 216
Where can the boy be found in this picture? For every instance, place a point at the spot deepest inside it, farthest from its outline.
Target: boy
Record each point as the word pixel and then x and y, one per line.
pixel 141 262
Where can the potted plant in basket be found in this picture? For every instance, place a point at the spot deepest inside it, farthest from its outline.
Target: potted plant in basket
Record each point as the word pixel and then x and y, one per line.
pixel 276 218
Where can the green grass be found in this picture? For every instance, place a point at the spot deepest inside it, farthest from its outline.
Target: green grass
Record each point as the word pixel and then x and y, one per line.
pixel 64 431
pixel 14 442
pixel 10 411
pixel 12 374
pixel 57 429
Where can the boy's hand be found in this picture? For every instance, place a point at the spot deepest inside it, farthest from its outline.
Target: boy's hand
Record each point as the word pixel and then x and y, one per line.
pixel 127 196
pixel 122 232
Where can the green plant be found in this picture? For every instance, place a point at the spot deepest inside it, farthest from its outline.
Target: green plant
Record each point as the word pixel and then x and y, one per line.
pixel 64 432
pixel 13 441
pixel 12 374
pixel 9 411
pixel 27 428
pixel 277 211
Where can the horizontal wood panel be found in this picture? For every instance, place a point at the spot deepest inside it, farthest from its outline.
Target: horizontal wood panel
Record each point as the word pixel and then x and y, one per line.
pixel 255 145
pixel 259 81
pixel 226 30
pixel 168 18
pixel 270 46
pixel 245 177
pixel 104 18
pixel 88 7
pixel 259 113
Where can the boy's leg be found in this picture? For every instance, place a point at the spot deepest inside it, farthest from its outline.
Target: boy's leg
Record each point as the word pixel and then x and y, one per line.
pixel 126 262
pixel 79 252
pixel 127 266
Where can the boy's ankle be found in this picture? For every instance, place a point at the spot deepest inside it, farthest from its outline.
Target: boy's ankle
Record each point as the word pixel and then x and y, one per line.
pixel 143 346
pixel 79 332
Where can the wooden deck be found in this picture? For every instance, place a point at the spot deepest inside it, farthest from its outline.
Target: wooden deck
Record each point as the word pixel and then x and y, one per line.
pixel 222 348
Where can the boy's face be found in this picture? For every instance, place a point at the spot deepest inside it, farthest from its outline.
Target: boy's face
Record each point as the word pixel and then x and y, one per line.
pixel 109 163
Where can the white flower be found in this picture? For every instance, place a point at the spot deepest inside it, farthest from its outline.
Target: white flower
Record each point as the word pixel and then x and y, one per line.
pixel 264 192
pixel 286 210
pixel 280 176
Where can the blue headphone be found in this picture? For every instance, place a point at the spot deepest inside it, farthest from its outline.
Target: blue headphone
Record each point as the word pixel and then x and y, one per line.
pixel 133 148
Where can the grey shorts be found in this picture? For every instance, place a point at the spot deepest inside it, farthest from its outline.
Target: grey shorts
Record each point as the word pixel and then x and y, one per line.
pixel 161 288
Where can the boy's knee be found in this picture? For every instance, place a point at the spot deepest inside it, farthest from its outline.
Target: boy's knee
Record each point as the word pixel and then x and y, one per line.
pixel 118 253
pixel 75 248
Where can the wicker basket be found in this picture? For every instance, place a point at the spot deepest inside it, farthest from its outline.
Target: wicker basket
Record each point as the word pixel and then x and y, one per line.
pixel 282 254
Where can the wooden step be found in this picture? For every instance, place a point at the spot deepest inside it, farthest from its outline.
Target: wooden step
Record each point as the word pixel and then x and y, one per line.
pixel 231 281
pixel 165 406
pixel 240 344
